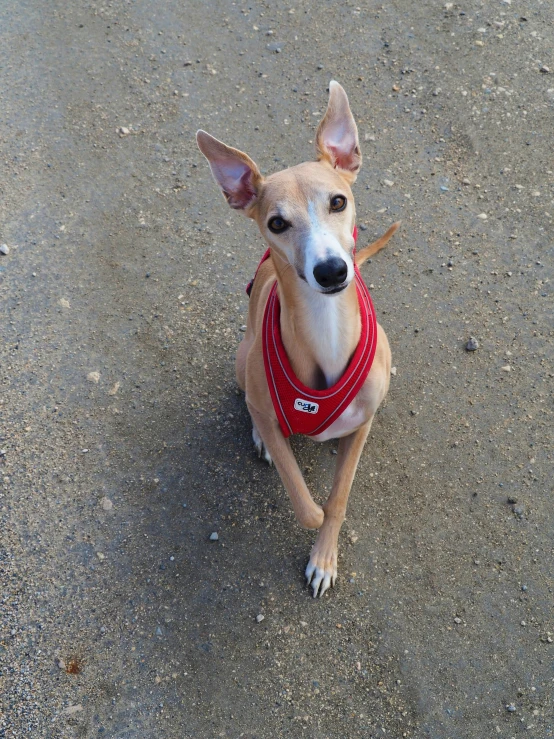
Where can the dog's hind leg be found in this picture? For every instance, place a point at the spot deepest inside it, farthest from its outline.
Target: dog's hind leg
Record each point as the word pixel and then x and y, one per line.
pixel 259 444
pixel 240 363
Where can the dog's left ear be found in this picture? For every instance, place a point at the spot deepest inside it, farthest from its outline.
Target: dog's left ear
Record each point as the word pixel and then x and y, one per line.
pixel 337 134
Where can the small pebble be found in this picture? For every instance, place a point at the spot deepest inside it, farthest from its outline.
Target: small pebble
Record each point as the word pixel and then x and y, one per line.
pixel 472 344
pixel 544 69
pixel 512 500
pixel 106 504
pixel 524 588
pixel 101 556
pixel 482 216
pixel 4 249
pixel 61 664
pixel 506 368
pixel 242 328
pixel 214 536
pixel 123 131
pixel 388 183
pixel 465 181
pixel 260 617
pixel 519 510
pixel 511 708
pixel 72 709
pixel 457 620
pixel 94 377
pixel 393 371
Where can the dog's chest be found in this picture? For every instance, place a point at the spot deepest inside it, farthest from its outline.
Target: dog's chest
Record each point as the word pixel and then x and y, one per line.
pixel 354 416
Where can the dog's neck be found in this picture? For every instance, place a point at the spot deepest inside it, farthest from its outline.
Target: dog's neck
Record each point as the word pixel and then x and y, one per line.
pixel 320 332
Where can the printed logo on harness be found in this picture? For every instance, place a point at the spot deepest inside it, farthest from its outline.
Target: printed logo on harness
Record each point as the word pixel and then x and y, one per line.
pixel 306 406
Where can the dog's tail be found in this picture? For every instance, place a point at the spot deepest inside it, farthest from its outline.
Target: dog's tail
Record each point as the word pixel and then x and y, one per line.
pixel 369 251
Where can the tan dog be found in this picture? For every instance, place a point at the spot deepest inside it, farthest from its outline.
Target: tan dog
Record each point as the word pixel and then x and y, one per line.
pixel 307 216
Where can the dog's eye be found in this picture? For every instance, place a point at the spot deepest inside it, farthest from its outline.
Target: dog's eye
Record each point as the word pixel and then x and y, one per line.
pixel 277 225
pixel 338 203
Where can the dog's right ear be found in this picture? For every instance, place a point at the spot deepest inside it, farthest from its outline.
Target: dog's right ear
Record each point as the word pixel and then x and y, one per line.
pixel 236 174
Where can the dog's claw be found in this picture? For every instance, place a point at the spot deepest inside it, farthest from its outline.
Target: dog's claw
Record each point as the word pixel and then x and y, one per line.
pixel 321 570
pixel 325 585
pixel 319 580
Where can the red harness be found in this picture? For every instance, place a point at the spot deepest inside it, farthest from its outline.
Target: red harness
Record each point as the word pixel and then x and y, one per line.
pixel 300 409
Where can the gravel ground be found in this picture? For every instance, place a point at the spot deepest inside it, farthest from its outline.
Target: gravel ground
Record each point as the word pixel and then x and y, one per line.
pixel 124 444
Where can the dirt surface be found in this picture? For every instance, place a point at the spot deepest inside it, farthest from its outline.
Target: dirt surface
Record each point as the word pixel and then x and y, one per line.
pixel 124 444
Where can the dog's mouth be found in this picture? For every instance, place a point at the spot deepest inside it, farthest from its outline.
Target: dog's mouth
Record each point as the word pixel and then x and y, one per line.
pixel 335 290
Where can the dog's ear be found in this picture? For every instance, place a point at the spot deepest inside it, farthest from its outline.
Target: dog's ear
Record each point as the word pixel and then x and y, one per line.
pixel 337 134
pixel 235 173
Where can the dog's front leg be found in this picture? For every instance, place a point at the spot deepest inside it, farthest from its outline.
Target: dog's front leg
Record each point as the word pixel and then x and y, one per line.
pixel 308 513
pixel 322 567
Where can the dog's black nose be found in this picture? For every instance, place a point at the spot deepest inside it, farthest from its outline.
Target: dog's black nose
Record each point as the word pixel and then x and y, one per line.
pixel 331 273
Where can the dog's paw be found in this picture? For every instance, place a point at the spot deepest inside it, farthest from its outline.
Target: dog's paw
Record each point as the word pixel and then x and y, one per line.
pixel 321 572
pixel 260 448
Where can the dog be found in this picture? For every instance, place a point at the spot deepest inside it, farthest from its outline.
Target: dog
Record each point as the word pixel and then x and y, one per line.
pixel 310 321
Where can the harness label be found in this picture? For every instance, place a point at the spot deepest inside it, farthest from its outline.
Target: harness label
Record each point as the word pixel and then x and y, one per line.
pixel 306 406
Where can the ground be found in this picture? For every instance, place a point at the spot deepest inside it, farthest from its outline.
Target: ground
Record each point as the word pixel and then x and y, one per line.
pixel 124 443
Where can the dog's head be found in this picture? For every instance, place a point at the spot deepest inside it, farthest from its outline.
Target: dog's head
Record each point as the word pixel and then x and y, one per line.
pixel 306 213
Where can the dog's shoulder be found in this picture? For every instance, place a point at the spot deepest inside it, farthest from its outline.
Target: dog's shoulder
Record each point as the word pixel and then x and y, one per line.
pixel 261 287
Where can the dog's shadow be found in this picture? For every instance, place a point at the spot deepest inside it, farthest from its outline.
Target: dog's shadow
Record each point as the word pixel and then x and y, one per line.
pixel 206 480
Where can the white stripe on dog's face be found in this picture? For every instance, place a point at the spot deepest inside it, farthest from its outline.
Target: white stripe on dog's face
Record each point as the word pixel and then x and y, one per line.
pixel 321 245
